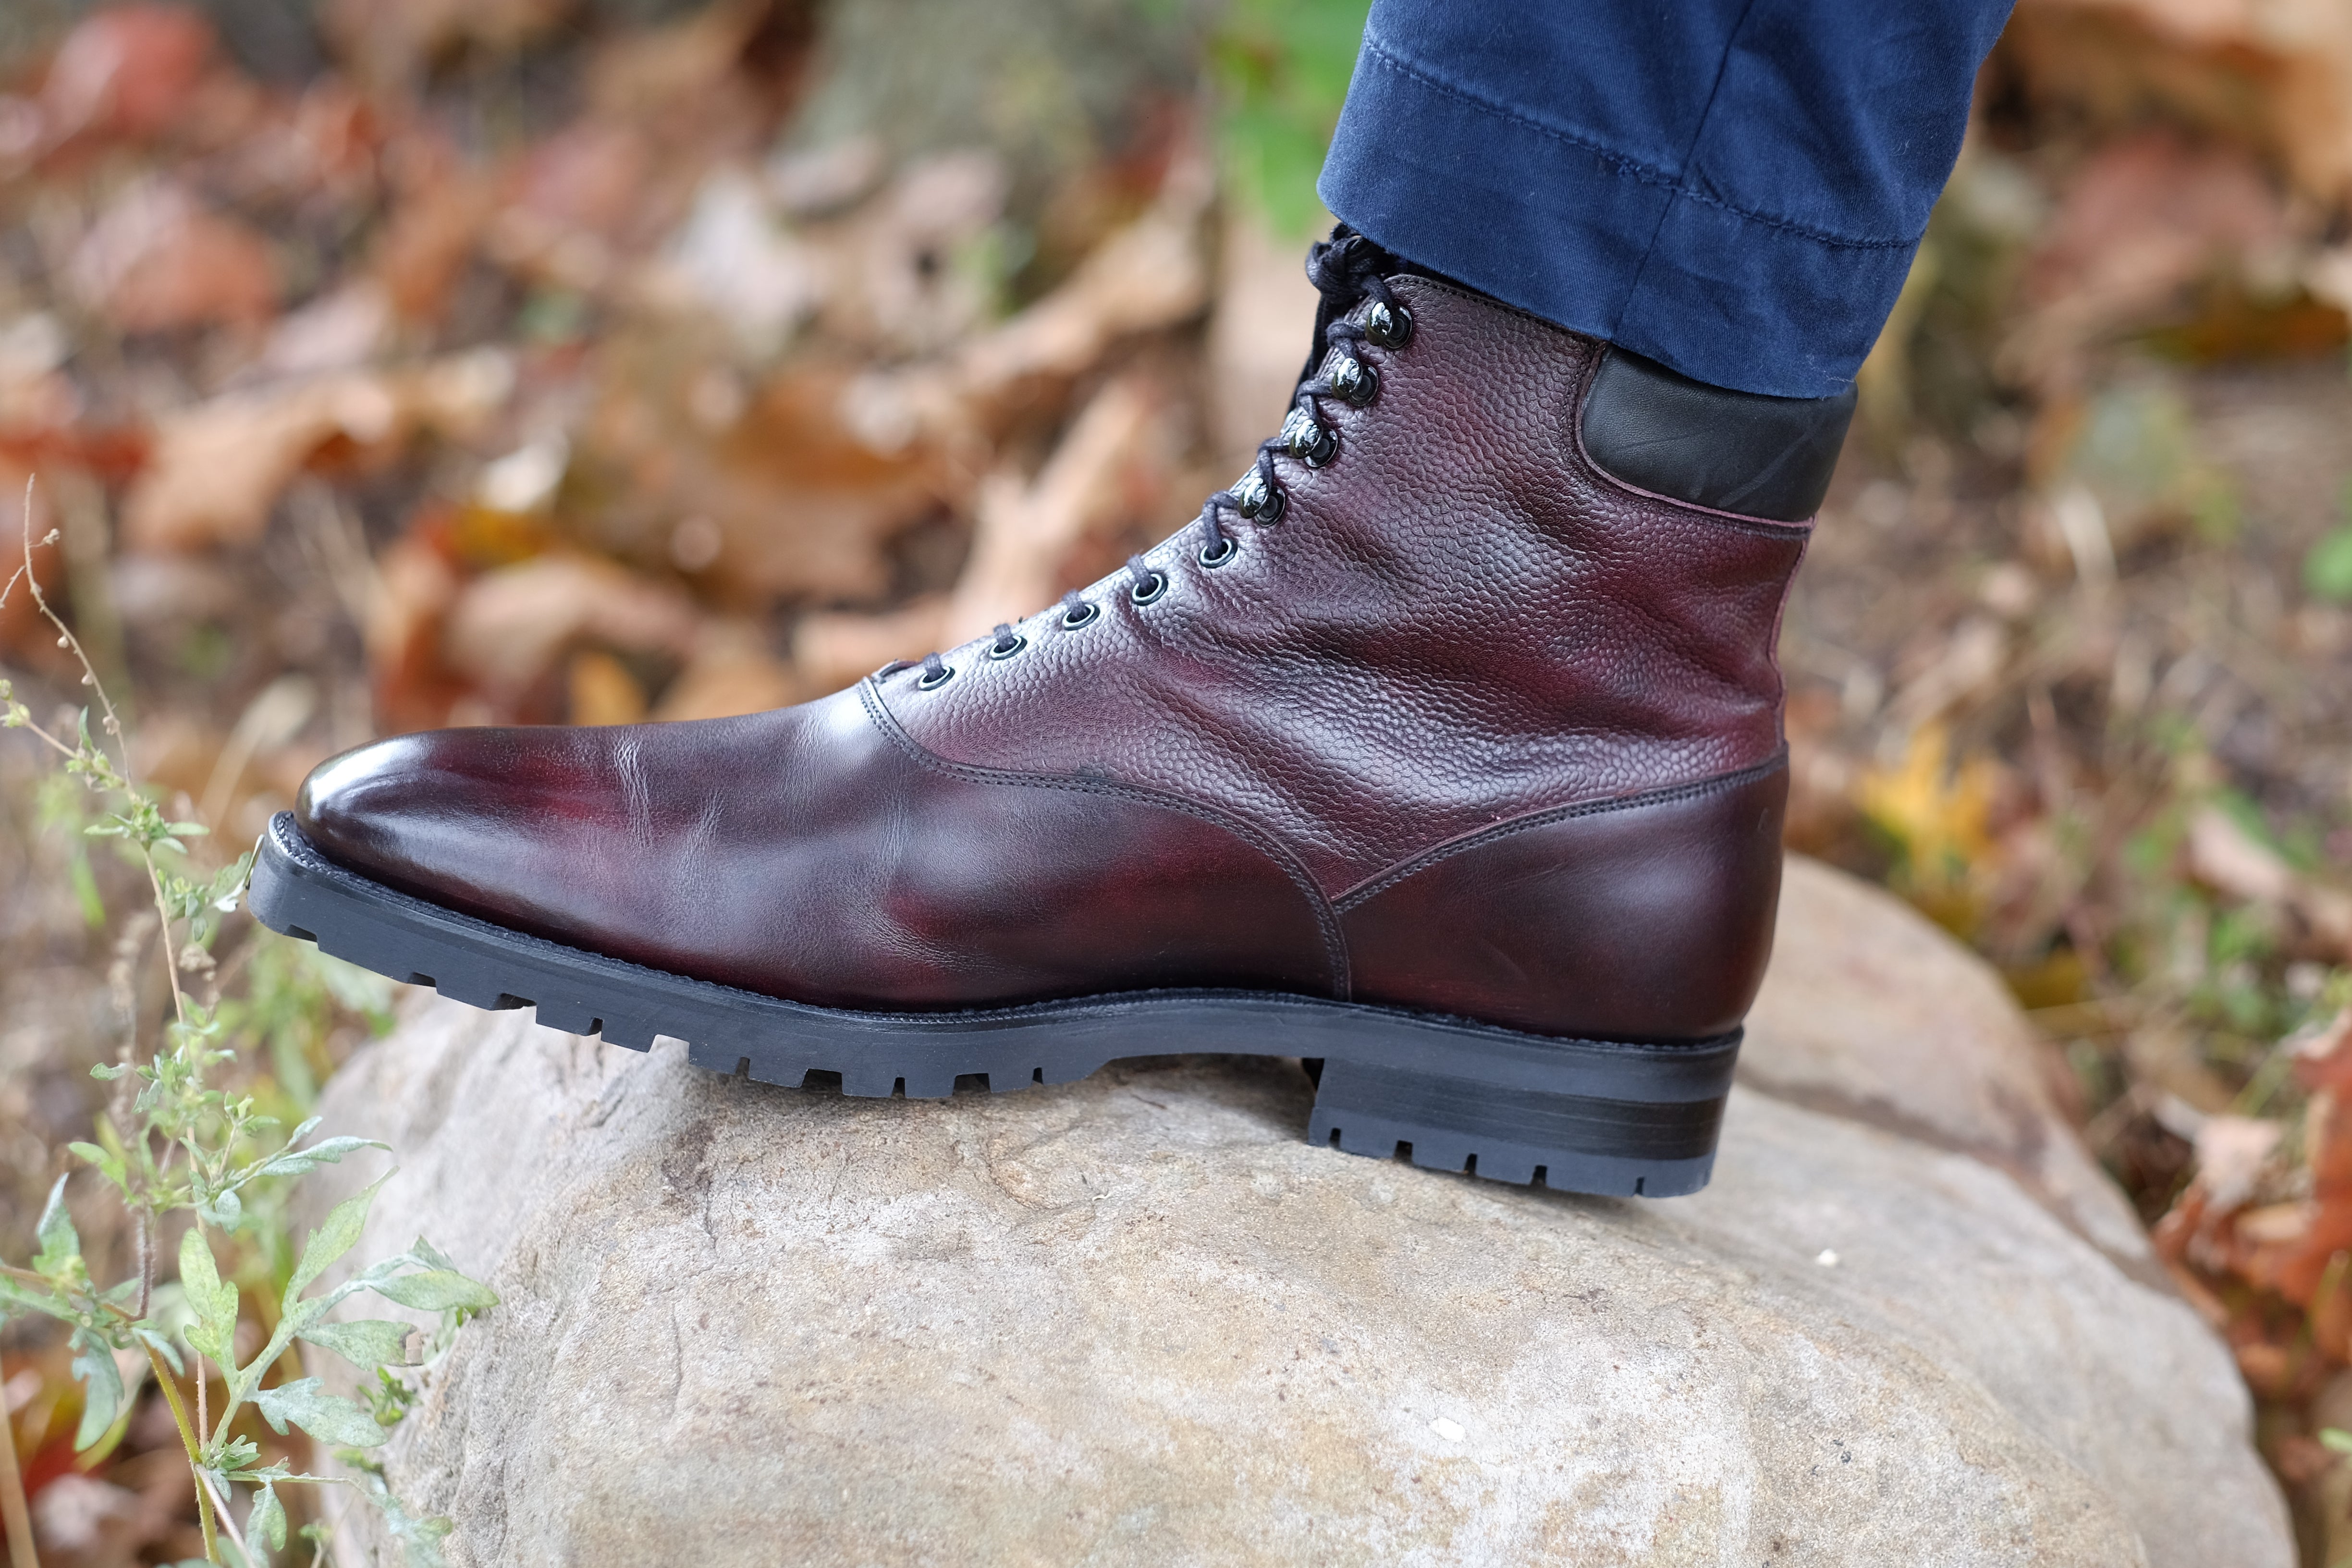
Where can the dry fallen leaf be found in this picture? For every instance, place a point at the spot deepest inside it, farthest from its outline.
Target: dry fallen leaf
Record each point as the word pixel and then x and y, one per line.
pixel 2143 219
pixel 730 671
pixel 1028 533
pixel 2231 1154
pixel 438 219
pixel 157 261
pixel 125 70
pixel 736 262
pixel 602 691
pixel 508 627
pixel 832 649
pixel 391 42
pixel 334 332
pixel 1148 276
pixel 218 467
pixel 1263 321
pixel 2225 856
pixel 2272 75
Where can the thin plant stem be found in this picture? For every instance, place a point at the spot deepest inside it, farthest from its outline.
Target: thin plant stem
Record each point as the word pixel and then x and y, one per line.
pixel 112 726
pixel 195 1452
pixel 227 1520
pixel 13 1512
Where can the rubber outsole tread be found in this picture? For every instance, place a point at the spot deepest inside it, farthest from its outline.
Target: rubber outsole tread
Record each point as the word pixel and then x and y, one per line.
pixel 1447 1094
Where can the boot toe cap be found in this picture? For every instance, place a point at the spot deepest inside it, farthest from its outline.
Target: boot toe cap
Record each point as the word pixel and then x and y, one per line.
pixel 396 809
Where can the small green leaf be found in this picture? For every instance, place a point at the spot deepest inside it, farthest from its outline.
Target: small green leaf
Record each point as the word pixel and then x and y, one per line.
pixel 211 1298
pixel 26 1299
pixel 293 1161
pixel 267 1520
pixel 110 1165
pixel 227 1210
pixel 367 1344
pixel 102 1388
pixel 2335 1439
pixel 234 1458
pixel 60 1243
pixel 329 1417
pixel 107 1072
pixel 435 1291
pixel 2327 570
pixel 336 1236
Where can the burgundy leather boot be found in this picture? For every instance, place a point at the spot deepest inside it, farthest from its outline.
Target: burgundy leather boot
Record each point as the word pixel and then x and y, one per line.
pixel 1445 749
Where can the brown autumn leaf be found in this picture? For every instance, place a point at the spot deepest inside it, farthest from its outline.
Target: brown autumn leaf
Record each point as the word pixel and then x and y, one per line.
pixel 572 204
pixel 893 284
pixel 218 467
pixel 442 206
pixel 833 648
pixel 2272 76
pixel 783 499
pixel 1026 534
pixel 2145 218
pixel 1258 333
pixel 26 639
pixel 506 628
pixel 125 70
pixel 730 671
pixel 601 690
pixel 1145 277
pixel 2289 1245
pixel 2223 855
pixel 157 260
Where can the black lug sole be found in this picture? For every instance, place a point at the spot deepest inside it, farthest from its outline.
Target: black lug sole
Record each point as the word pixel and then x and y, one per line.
pixel 1587 1115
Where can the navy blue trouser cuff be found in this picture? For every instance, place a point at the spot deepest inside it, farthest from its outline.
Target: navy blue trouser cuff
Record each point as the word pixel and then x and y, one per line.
pixel 1732 187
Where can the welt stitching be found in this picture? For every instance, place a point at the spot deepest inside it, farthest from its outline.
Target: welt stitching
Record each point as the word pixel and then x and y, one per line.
pixel 1670 795
pixel 1629 167
pixel 1326 917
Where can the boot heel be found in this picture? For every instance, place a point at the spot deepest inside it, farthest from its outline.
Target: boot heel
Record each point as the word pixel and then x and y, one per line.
pixel 1504 1117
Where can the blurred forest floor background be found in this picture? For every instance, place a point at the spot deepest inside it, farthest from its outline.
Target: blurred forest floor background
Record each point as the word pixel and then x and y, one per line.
pixel 387 364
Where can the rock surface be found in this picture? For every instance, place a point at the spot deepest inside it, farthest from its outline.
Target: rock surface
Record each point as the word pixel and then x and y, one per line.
pixel 1138 1320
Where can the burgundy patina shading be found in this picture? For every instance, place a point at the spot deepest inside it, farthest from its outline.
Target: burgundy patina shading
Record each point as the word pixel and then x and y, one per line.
pixel 1473 728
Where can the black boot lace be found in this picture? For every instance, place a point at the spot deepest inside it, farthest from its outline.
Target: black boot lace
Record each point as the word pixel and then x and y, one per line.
pixel 1346 270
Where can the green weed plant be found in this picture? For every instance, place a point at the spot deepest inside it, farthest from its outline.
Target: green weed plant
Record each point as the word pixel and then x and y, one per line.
pixel 185 1155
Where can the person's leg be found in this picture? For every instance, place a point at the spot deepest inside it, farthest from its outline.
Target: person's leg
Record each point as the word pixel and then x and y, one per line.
pixel 1733 188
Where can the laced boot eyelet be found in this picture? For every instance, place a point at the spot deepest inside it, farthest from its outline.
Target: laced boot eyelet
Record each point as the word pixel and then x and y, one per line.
pixel 1389 326
pixel 1260 502
pixel 1355 381
pixel 1216 555
pixel 931 680
pixel 1151 590
pixel 1007 648
pixel 1309 439
pixel 1080 616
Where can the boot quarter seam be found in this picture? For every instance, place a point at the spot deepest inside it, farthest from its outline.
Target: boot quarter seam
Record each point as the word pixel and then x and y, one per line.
pixel 1326 918
pixel 1381 881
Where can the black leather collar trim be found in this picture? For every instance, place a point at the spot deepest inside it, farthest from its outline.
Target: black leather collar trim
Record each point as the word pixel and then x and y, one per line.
pixel 1735 451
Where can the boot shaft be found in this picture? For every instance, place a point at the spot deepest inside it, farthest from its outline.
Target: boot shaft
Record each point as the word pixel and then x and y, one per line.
pixel 1457 621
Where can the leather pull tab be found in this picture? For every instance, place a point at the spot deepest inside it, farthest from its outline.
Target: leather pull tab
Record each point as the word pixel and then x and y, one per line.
pixel 1735 451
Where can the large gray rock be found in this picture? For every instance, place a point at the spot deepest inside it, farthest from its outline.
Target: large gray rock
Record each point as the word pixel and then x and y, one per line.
pixel 1138 1320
